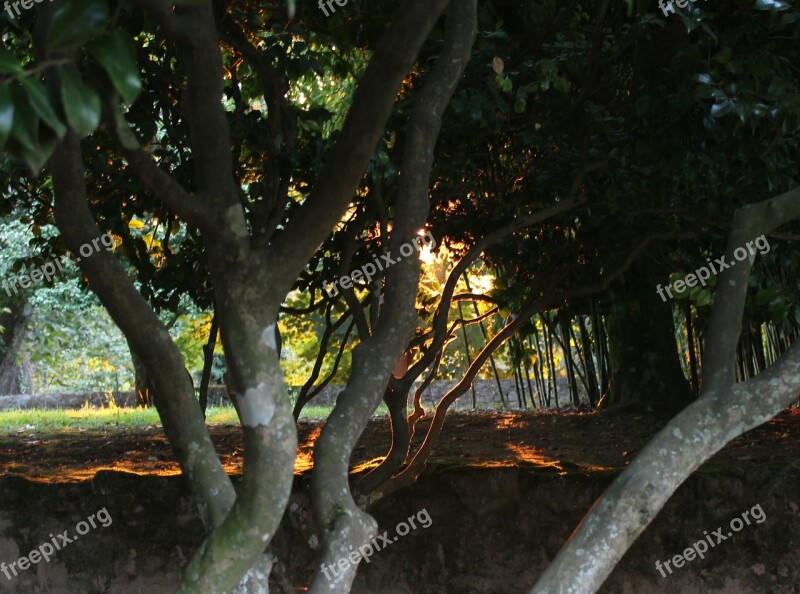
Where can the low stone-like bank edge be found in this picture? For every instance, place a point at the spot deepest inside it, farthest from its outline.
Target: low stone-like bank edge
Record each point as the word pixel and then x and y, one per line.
pixel 486 396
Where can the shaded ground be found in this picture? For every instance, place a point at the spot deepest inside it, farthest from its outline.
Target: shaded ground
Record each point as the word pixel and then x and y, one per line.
pixel 503 494
pixel 556 443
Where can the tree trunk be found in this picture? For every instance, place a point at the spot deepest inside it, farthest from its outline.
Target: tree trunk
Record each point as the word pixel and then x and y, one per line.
pixel 692 353
pixel 208 361
pixel 15 326
pixel 591 373
pixel 551 364
pixel 397 402
pixel 645 369
pixel 141 383
pixel 563 323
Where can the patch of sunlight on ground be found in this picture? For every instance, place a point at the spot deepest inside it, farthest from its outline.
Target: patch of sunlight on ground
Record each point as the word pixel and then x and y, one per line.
pixel 532 455
pixel 304 460
pixel 509 421
pixel 78 475
pixel 529 454
pixel 368 465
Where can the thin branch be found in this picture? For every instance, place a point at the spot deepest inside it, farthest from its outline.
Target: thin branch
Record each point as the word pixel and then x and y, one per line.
pixel 471 297
pixel 330 329
pixel 336 361
pixel 164 186
pixel 498 235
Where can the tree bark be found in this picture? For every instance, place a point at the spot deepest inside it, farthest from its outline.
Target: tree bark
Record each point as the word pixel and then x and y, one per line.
pixel 15 327
pixel 208 362
pixel 645 369
pixel 178 409
pixel 141 379
pixel 239 528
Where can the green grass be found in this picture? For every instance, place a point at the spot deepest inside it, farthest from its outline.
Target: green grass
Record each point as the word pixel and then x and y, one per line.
pixel 84 418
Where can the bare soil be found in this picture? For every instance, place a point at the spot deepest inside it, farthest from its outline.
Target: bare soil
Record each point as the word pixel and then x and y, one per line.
pixel 554 443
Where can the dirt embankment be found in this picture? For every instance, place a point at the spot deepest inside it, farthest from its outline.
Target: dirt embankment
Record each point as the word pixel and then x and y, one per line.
pixel 503 494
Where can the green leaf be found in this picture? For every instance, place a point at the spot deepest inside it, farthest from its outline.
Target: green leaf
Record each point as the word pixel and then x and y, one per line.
pixel 37 157
pixel 115 53
pixel 704 298
pixel 77 21
pixel 8 63
pixel 42 104
pixel 765 296
pixel 776 5
pixel 519 105
pixel 25 129
pixel 6 113
pixel 724 55
pixel 81 104
pixel 790 18
pixel 720 109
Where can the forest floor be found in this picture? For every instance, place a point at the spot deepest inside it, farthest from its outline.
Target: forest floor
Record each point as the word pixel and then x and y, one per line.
pixel 550 442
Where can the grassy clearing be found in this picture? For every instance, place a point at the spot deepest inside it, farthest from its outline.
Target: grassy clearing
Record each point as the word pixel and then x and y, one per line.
pixel 86 417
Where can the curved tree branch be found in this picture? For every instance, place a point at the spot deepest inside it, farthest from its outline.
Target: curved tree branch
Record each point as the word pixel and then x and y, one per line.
pixel 177 407
pixel 724 328
pixel 165 187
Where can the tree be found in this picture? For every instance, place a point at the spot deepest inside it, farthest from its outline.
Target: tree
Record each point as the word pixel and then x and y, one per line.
pixel 15 314
pixel 643 357
pixel 256 239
